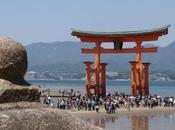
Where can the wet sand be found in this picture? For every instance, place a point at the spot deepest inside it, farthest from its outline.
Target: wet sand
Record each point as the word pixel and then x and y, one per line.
pixel 122 111
pixel 159 118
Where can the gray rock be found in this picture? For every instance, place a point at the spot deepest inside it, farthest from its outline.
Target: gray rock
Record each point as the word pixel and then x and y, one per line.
pixel 13 66
pixel 19 105
pixel 10 92
pixel 13 61
pixel 41 119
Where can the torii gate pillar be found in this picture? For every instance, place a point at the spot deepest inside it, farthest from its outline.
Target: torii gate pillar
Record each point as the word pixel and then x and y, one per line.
pixel 97 69
pixel 146 78
pixel 88 77
pixel 103 79
pixel 138 85
pixel 134 80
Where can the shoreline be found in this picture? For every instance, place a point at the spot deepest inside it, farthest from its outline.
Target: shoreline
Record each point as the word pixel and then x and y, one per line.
pixel 124 111
pixel 84 80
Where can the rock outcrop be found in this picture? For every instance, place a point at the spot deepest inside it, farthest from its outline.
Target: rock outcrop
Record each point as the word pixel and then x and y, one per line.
pixel 13 66
pixel 10 92
pixel 41 119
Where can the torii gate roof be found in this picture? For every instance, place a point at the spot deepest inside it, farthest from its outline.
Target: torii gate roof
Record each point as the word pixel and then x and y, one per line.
pixel 125 36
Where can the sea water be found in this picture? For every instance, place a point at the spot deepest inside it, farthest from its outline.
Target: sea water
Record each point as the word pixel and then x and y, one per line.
pixel 136 121
pixel 161 88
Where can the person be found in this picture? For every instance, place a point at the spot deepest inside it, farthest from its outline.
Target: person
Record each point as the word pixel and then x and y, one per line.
pixel 62 105
pixel 106 106
pixel 45 100
pixel 110 107
pixel 174 102
pixel 97 108
pixel 89 105
pixel 113 107
pixel 129 105
pixel 171 101
pixel 137 101
pixel 49 99
pixel 58 104
pixel 85 104
pixel 159 101
pixel 93 105
pixel 52 104
pixel 151 102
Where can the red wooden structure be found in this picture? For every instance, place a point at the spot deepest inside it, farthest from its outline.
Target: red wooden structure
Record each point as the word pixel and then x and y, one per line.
pixel 139 70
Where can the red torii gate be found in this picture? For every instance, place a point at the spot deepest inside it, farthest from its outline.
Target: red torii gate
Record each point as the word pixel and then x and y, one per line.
pixel 139 70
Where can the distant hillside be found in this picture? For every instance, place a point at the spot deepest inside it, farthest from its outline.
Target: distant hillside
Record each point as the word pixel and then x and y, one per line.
pixel 55 56
pixel 66 56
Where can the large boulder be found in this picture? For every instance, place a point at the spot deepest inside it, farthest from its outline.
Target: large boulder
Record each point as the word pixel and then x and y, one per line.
pixel 13 66
pixel 41 119
pixel 13 60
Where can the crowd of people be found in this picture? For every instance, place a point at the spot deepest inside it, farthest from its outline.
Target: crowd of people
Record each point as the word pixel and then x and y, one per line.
pixel 74 100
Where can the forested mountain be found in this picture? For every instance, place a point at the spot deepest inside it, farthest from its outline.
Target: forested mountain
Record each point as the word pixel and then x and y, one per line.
pixel 66 56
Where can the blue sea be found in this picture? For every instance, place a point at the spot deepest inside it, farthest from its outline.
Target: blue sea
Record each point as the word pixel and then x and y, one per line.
pixel 162 88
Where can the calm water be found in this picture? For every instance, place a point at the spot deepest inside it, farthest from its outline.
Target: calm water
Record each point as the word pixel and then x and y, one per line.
pixel 162 88
pixel 144 121
pixel 155 121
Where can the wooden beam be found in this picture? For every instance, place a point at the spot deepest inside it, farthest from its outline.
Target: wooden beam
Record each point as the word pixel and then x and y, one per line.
pixel 147 37
pixel 125 50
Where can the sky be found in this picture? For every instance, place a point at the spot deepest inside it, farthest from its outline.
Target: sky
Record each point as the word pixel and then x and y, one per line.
pixel 30 21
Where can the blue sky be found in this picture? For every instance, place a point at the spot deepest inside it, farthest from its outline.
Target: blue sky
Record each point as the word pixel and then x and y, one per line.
pixel 31 21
